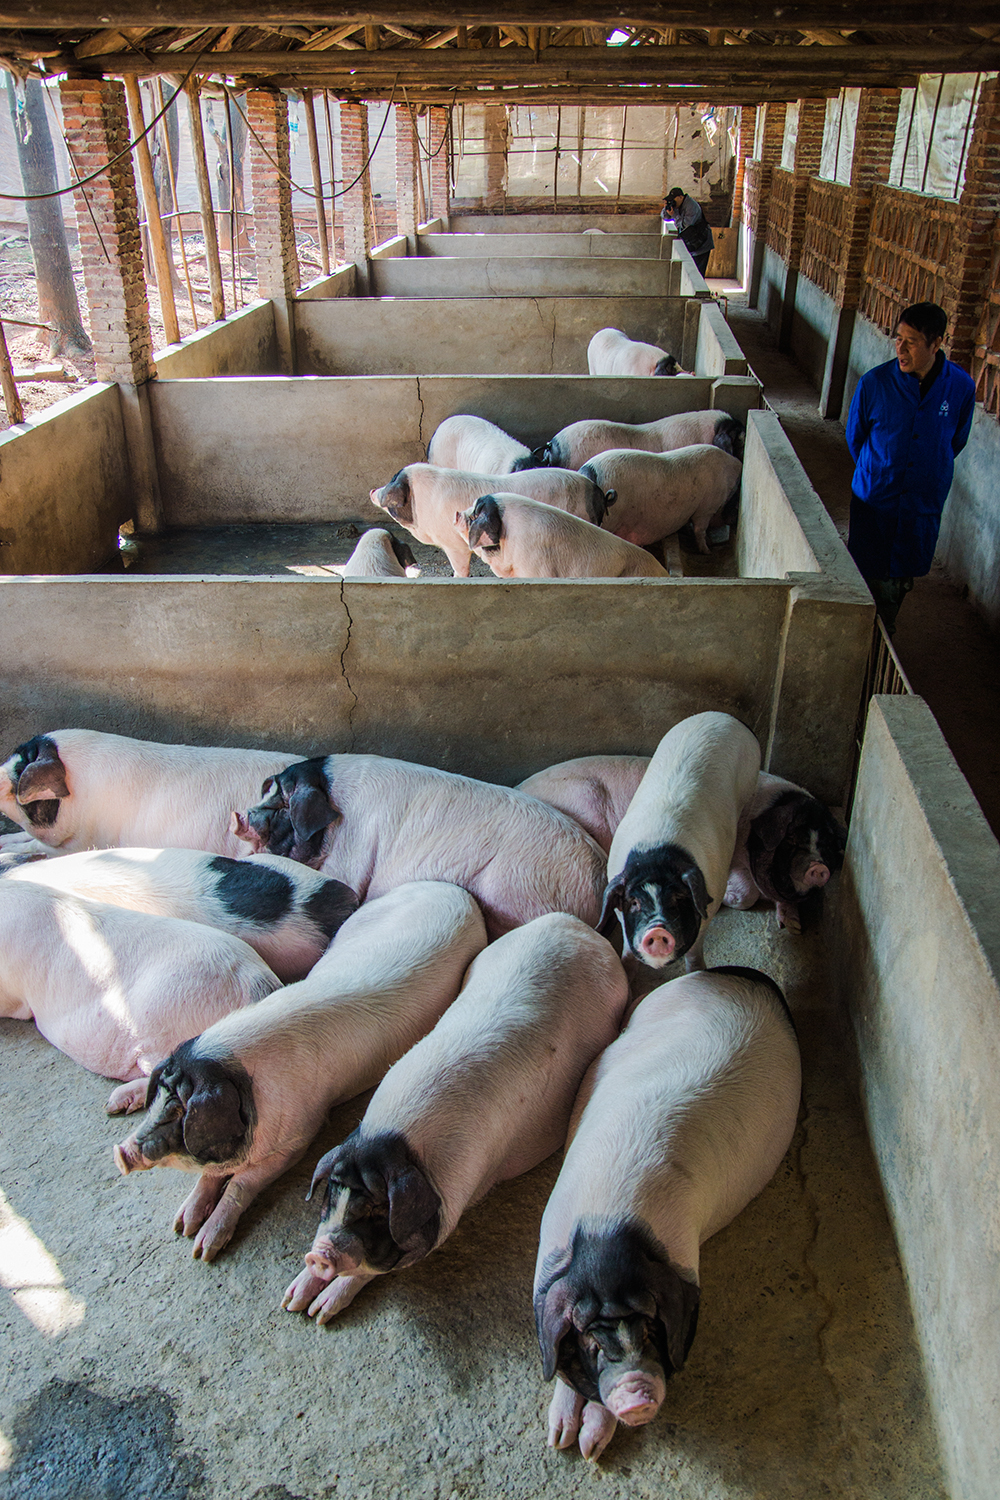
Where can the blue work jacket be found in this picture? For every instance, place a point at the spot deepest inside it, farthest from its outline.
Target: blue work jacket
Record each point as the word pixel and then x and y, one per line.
pixel 904 449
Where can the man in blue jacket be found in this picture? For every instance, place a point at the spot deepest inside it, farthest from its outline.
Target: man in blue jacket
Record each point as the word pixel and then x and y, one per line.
pixel 908 420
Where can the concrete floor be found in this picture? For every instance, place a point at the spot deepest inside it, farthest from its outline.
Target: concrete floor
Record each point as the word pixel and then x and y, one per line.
pixel 133 1371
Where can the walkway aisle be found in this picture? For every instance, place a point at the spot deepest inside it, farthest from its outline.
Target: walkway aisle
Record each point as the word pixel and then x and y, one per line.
pixel 947 651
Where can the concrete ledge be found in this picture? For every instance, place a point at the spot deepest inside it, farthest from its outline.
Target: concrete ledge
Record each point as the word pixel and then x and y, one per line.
pixel 917 939
pixel 717 351
pixel 527 276
pixel 692 282
pixel 242 344
pixel 342 282
pixel 396 248
pixel 515 223
pixel 602 246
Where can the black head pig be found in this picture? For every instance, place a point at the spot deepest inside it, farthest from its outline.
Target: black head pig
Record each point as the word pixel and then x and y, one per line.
pixel 787 847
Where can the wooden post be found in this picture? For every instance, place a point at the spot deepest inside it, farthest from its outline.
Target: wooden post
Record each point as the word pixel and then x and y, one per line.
pixel 324 243
pixel 418 163
pixel 177 206
pixel 208 225
pixel 333 174
pixel 555 174
pixel 161 260
pixel 11 399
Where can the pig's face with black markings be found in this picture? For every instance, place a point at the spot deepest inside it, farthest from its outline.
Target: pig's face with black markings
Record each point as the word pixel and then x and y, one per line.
pixel 33 787
pixel 794 846
pixel 395 498
pixel 293 815
pixel 661 901
pixel 200 1112
pixel 379 1210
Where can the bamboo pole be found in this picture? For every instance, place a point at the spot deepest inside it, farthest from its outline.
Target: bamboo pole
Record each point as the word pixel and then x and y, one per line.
pixel 157 240
pixel 333 174
pixel 317 176
pixel 208 225
pixel 555 173
pixel 11 399
pixel 418 158
pixel 177 207
pixel 621 156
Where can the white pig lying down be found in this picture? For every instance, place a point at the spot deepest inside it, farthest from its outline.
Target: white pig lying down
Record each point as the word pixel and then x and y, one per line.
pixel 115 989
pixel 658 493
pixel 80 789
pixel 373 823
pixel 473 444
pixel 582 440
pixel 241 1102
pixel 594 789
pixel 486 1096
pixel 286 912
pixel 425 499
pixel 678 1125
pixel 519 538
pixel 379 554
pixel 788 845
pixel 672 852
pixel 611 352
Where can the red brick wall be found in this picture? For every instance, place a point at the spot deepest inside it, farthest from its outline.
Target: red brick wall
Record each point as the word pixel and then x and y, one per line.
pixel 744 151
pixel 774 134
pixel 809 140
pixel 270 174
pixel 96 123
pixel 980 203
pixel 406 172
pixel 440 164
pixel 359 230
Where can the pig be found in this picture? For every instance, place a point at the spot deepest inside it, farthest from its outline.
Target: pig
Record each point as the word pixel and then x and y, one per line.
pixel 574 445
pixel 520 538
pixel 673 849
pixel 241 1102
pixel 116 990
pixel 486 1096
pixel 379 554
pixel 286 912
pixel 788 845
pixel 425 499
pixel 611 352
pixel 76 789
pixel 373 823
pixel 678 1125
pixel 475 445
pixel 658 493
pixel 594 789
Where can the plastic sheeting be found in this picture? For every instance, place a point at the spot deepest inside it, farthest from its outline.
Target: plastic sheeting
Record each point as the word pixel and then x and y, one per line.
pixel 839 129
pixel 933 132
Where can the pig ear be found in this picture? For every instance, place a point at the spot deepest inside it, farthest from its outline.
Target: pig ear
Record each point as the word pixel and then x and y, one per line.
pixel 613 895
pixel 310 811
pixel 44 779
pixel 695 882
pixel 486 522
pixel 414 1210
pixel 772 825
pixel 214 1127
pixel 553 1320
pixel 677 1310
pixel 153 1083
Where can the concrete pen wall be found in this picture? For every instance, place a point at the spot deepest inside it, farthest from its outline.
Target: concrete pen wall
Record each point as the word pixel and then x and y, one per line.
pixel 600 245
pixel 527 276
pixel 566 223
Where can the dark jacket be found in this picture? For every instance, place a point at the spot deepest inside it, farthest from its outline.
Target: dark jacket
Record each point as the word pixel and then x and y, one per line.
pixel 904 435
pixel 693 228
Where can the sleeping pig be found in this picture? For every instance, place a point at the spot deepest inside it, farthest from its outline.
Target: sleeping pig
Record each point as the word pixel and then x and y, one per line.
pixel 373 823
pixel 80 789
pixel 788 846
pixel 425 499
pixel 582 440
pixel 519 538
pixel 611 352
pixel 287 913
pixel 658 493
pixel 486 1096
pixel 241 1103
pixel 379 554
pixel 475 445
pixel 678 1125
pixel 673 849
pixel 594 789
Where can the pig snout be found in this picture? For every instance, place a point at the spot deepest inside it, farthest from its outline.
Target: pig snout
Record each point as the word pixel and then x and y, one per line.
pixel 129 1157
pixel 635 1397
pixel 815 876
pixel 329 1257
pixel 657 945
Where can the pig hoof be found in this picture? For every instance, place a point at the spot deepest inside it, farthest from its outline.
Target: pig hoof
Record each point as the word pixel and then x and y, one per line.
pixel 788 916
pixel 597 1430
pixel 127 1099
pixel 304 1289
pixel 565 1413
pixel 340 1293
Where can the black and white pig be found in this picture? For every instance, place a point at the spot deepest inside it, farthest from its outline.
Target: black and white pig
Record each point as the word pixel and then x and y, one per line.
pixel 672 852
pixel 115 989
pixel 241 1103
pixel 658 493
pixel 475 445
pixel 594 789
pixel 520 538
pixel 578 442
pixel 425 500
pixel 285 911
pixel 80 789
pixel 611 352
pixel 373 823
pixel 486 1096
pixel 379 554
pixel 678 1125
pixel 788 845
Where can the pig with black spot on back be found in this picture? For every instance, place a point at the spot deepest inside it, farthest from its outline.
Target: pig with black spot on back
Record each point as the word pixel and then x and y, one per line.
pixel 485 1097
pixel 678 1125
pixel 241 1103
pixel 611 352
pixel 475 445
pixel 580 441
pixel 787 847
pixel 519 538
pixel 672 852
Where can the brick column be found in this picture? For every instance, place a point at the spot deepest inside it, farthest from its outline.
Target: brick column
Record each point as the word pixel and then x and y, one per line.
pixel 270 176
pixel 774 134
pixel 809 140
pixel 744 151
pixel 495 146
pixel 969 262
pixel 359 230
pixel 95 120
pixel 406 173
pixel 440 132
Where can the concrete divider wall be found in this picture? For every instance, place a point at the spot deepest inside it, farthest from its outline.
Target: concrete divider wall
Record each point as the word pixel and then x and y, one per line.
pixel 641 246
pixel 916 932
pixel 395 249
pixel 692 282
pixel 717 351
pixel 343 282
pixel 566 223
pixel 287 449
pixel 65 487
pixel 521 276
pixel 242 344
pixel 526 335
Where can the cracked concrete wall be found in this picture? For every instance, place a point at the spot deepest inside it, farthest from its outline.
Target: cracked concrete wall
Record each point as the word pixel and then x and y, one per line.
pixel 506 276
pixel 917 939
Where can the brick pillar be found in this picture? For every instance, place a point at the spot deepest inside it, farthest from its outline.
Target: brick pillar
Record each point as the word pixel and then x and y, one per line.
pixel 440 135
pixel 495 146
pixel 774 134
pixel 744 151
pixel 270 176
pixel 95 120
pixel 969 262
pixel 406 172
pixel 809 141
pixel 359 229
